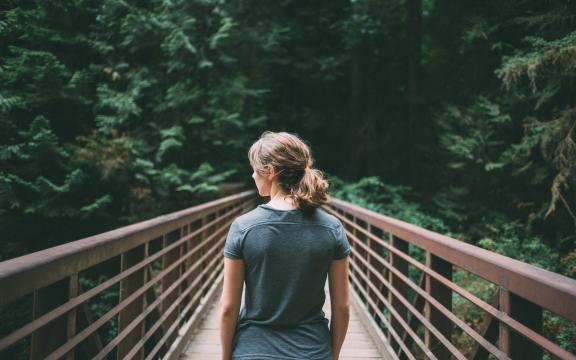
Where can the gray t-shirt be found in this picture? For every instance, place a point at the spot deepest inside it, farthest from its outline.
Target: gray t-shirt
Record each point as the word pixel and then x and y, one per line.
pixel 287 255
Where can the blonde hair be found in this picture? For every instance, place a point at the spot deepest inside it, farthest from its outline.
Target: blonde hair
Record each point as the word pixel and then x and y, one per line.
pixel 292 160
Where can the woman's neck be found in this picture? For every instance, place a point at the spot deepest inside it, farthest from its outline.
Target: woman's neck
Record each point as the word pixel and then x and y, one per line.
pixel 281 202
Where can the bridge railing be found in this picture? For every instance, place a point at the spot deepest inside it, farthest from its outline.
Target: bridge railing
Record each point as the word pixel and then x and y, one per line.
pixel 162 272
pixel 405 277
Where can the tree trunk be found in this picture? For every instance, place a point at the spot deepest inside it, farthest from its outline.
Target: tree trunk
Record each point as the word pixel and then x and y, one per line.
pixel 414 44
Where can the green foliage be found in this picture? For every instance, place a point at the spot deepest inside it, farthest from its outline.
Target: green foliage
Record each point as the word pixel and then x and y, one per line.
pixel 505 144
pixel 133 125
pixel 474 135
pixel 530 250
pixel 101 304
pixel 561 330
pixel 35 181
pixel 551 60
pixel 395 201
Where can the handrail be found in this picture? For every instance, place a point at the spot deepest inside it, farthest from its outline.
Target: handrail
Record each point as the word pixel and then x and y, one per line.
pixel 152 303
pixel 379 270
pixel 32 271
pixel 545 288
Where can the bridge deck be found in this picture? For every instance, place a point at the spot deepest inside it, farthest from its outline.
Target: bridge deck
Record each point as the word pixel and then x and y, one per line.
pixel 205 343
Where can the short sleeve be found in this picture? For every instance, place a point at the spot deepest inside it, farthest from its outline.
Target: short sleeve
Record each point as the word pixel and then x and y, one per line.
pixel 233 244
pixel 342 244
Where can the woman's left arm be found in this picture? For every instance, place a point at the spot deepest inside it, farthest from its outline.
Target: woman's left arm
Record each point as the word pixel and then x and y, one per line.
pixel 230 303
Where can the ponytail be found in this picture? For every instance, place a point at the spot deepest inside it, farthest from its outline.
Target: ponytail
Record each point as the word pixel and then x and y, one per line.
pixel 292 159
pixel 312 190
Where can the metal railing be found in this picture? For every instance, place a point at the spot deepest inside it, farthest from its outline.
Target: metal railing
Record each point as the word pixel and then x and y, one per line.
pixel 163 272
pixel 403 274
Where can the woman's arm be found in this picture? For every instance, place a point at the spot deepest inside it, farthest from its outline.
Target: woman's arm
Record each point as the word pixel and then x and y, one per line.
pixel 230 303
pixel 340 308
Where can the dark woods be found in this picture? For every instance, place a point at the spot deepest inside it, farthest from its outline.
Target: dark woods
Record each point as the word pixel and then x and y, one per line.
pixel 455 115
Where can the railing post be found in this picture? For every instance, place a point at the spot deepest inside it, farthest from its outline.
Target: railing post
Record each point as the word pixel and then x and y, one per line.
pixel 204 245
pixel 353 250
pixel 73 287
pixel 529 314
pixel 194 243
pixel 184 248
pixel 167 260
pixel 128 286
pixel 375 261
pixel 444 297
pixel 369 261
pixel 49 337
pixel 362 253
pixel 402 266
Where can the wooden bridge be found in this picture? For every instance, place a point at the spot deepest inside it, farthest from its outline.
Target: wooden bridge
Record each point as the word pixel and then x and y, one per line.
pixel 150 291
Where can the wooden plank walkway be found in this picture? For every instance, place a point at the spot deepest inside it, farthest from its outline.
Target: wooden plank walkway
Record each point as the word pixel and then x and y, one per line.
pixel 205 342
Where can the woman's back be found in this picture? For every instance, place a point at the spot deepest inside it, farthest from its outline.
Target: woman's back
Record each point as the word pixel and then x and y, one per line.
pixel 287 255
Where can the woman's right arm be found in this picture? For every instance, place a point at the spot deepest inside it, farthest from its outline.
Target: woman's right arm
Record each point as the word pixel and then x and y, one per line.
pixel 339 301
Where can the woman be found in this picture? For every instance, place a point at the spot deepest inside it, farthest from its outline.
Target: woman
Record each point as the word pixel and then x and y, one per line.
pixel 283 250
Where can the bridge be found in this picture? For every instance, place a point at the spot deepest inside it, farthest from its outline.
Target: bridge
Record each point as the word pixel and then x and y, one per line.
pixel 414 293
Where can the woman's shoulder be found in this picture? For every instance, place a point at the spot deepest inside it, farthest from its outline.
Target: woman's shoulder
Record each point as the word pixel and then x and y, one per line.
pixel 326 218
pixel 261 216
pixel 253 217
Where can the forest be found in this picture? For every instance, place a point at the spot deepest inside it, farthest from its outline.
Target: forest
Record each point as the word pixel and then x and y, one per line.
pixel 455 115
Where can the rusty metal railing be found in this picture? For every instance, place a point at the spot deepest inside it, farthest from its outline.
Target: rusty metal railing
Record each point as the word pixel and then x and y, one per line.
pixel 403 275
pixel 162 272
